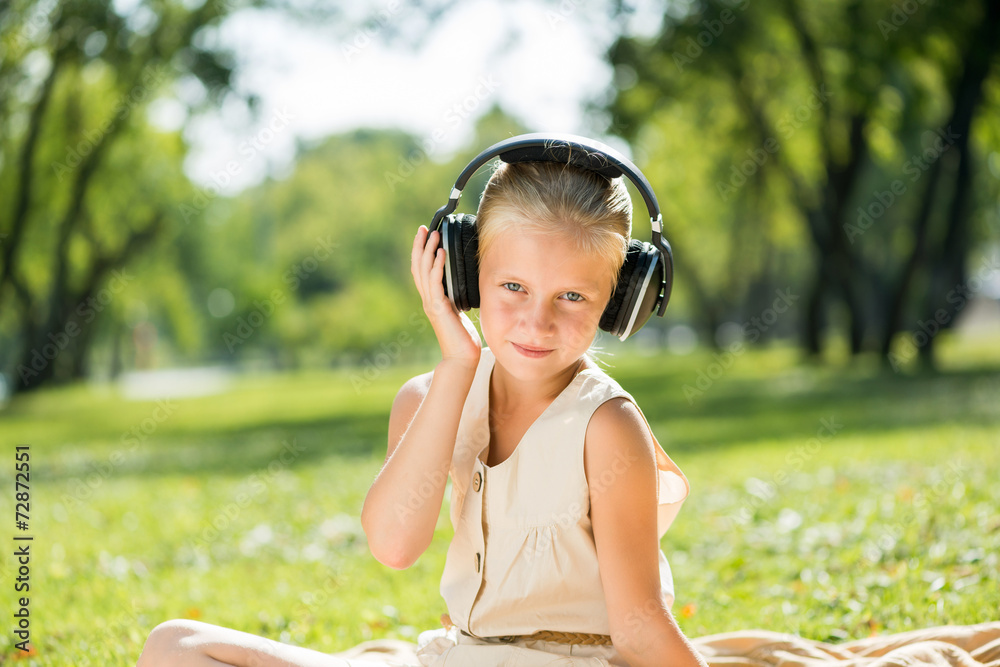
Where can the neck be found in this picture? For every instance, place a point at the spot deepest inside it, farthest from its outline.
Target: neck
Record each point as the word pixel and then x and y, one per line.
pixel 509 394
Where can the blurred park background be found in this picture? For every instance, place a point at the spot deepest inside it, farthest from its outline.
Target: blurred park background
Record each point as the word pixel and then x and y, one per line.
pixel 206 211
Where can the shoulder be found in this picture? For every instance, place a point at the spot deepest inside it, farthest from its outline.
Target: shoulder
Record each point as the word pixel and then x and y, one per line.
pixel 618 415
pixel 411 395
pixel 405 406
pixel 617 432
pixel 414 388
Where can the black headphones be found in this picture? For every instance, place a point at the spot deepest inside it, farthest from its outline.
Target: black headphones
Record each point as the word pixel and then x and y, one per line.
pixel 646 277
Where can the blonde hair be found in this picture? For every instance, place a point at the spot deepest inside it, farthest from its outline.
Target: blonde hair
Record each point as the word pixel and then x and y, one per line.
pixel 561 200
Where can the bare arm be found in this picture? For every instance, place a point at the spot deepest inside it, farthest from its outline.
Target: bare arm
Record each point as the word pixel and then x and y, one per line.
pixel 623 513
pixel 402 506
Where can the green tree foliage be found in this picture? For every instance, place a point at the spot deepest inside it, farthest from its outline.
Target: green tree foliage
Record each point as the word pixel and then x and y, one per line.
pixel 836 148
pixel 89 186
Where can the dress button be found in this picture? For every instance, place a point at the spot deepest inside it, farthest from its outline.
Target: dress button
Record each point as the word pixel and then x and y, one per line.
pixel 477 482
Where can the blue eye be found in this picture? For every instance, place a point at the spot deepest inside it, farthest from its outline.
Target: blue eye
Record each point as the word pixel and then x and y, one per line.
pixel 513 290
pixel 575 294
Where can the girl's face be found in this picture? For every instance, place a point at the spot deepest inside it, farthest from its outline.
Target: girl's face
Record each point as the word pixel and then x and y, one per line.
pixel 539 292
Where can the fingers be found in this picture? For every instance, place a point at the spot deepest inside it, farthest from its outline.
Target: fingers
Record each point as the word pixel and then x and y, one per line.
pixel 437 275
pixel 418 244
pixel 427 259
pixel 427 264
pixel 456 334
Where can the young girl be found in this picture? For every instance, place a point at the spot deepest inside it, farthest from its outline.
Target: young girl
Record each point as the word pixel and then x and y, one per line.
pixel 560 491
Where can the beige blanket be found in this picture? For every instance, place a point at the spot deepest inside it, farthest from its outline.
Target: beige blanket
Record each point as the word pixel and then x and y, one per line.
pixel 944 646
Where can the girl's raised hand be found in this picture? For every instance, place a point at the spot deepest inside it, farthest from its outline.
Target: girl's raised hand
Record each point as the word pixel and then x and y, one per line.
pixel 455 332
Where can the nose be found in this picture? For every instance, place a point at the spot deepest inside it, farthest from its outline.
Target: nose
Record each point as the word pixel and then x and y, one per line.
pixel 538 319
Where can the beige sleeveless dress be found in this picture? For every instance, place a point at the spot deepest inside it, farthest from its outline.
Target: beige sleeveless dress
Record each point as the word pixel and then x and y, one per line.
pixel 523 557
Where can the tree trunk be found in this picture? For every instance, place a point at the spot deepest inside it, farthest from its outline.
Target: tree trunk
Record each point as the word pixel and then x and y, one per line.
pixel 950 261
pixel 847 269
pixel 708 311
pixel 894 319
pixel 814 323
pixel 57 350
pixel 117 365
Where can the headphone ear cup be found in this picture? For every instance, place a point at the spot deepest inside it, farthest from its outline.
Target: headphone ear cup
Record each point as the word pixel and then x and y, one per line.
pixel 611 314
pixel 637 293
pixel 469 252
pixel 668 280
pixel 448 229
pixel 460 241
pixel 648 298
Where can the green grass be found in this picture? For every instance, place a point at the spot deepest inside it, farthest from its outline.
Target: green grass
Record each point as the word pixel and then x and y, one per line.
pixel 241 509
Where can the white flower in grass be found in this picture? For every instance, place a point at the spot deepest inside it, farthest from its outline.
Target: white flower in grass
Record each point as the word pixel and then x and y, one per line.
pixel 256 538
pixel 116 567
pixel 788 520
pixel 313 552
pixel 341 528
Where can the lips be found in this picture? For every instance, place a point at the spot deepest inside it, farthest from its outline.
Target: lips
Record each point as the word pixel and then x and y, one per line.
pixel 532 348
pixel 533 353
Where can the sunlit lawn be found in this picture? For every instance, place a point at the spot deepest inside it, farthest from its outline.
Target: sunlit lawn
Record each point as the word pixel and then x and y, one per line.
pixel 829 502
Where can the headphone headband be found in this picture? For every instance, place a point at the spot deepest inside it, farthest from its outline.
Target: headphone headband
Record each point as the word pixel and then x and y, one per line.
pixel 565 149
